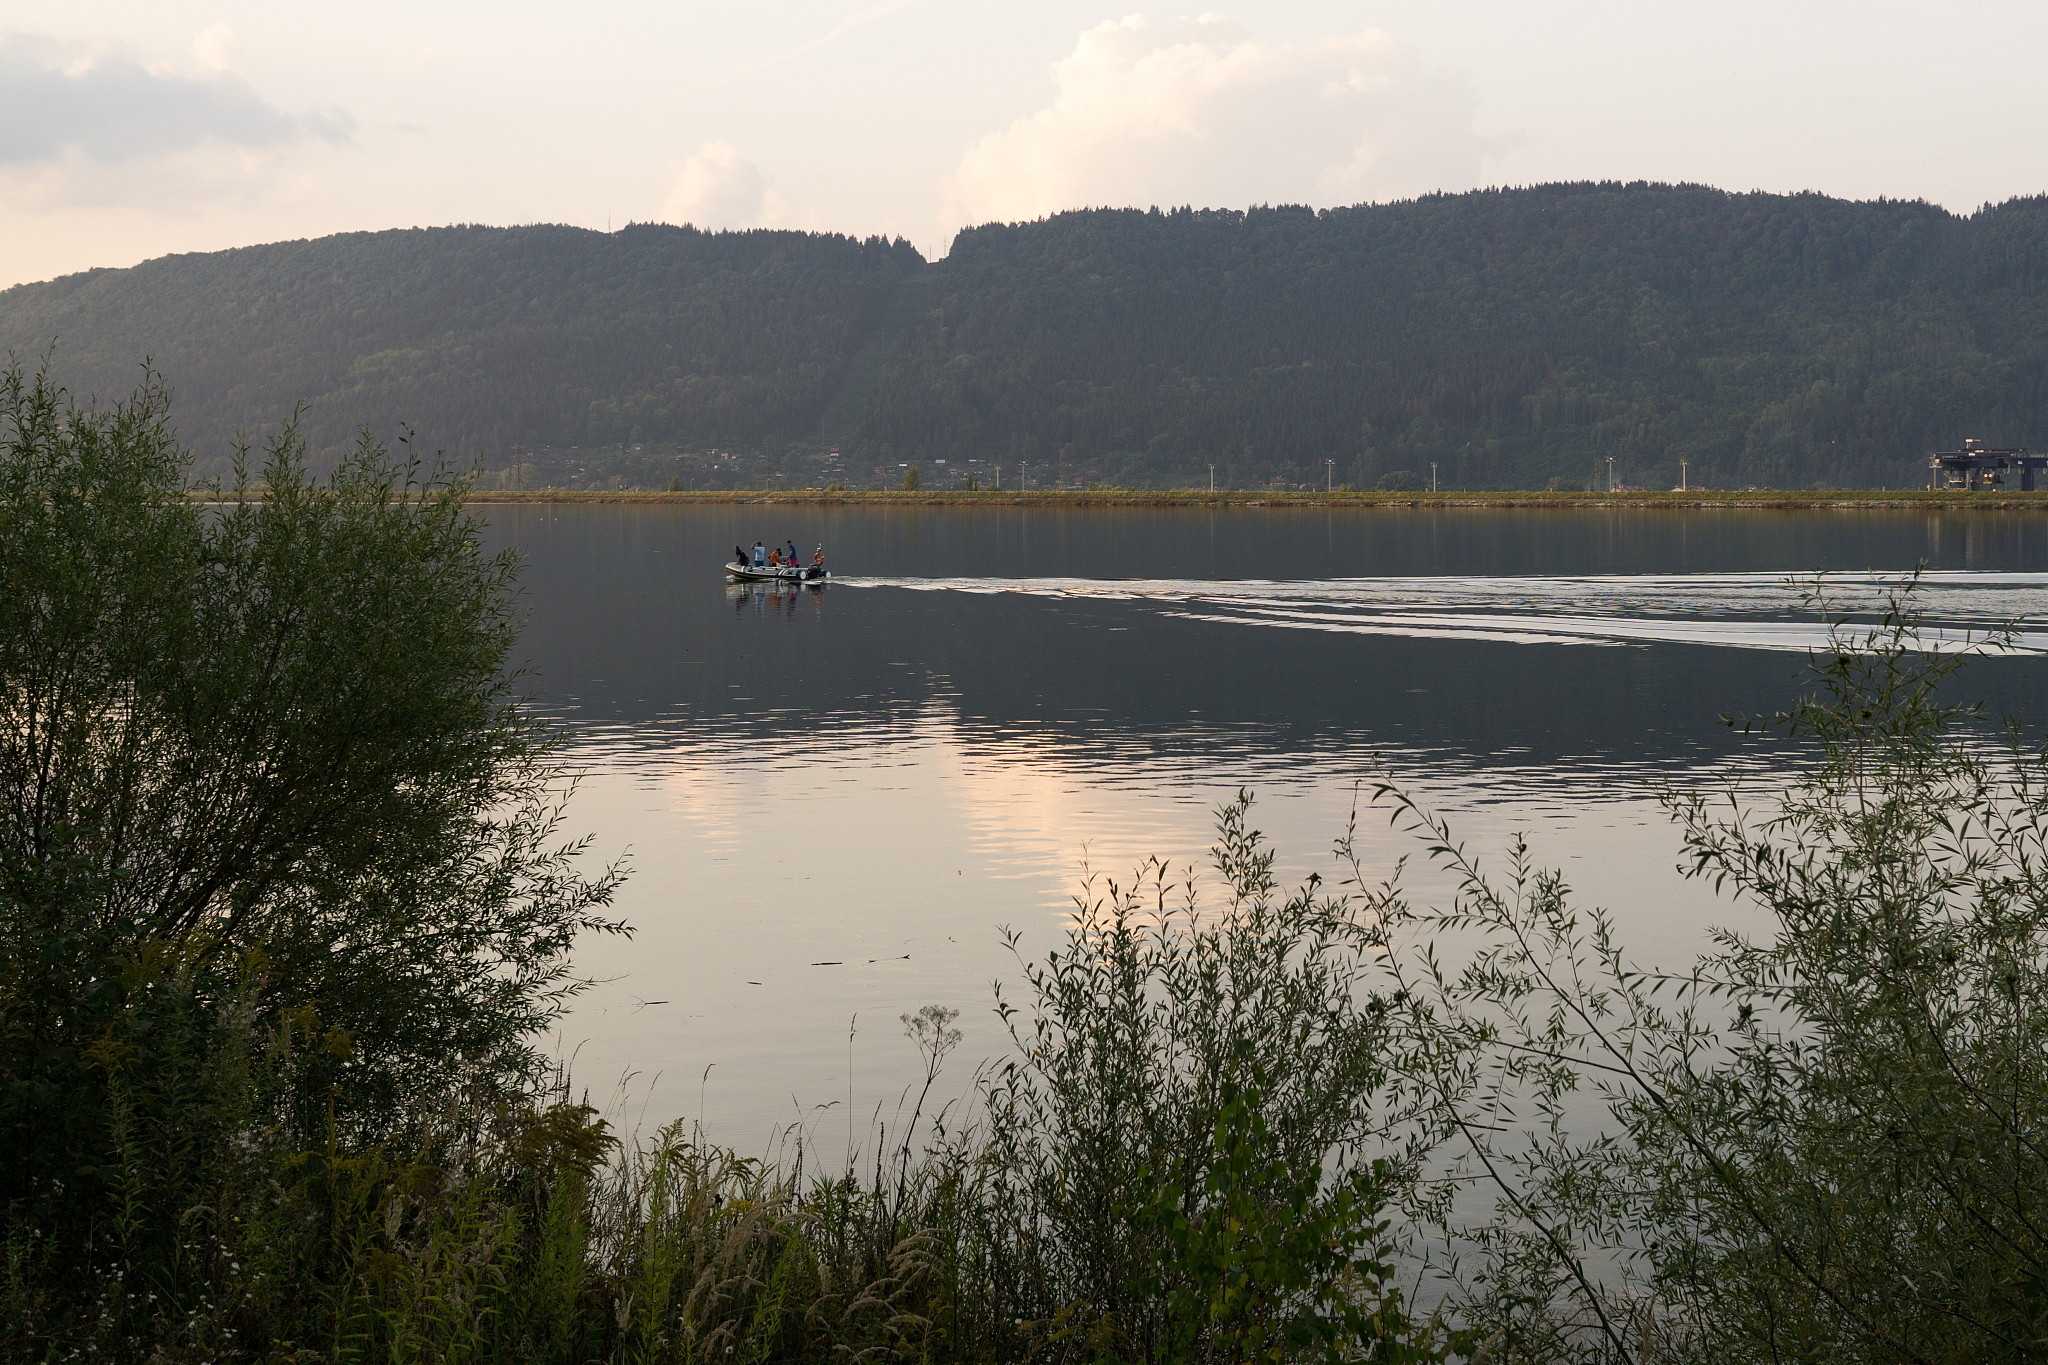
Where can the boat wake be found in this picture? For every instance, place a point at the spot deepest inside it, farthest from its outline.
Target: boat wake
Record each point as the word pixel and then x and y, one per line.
pixel 1741 610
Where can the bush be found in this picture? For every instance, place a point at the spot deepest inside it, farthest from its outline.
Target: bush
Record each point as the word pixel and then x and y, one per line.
pixel 1823 1143
pixel 1186 1156
pixel 280 872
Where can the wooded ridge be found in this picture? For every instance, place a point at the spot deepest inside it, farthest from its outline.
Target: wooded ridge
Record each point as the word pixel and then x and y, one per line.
pixel 1513 338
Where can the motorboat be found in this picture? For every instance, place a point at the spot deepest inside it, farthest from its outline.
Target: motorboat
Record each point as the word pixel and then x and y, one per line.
pixel 811 576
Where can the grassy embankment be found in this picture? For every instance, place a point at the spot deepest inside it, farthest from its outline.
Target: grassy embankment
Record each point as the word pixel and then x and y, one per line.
pixel 1793 499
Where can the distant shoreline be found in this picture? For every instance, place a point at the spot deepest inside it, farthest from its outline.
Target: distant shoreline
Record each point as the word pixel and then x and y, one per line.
pixel 1846 499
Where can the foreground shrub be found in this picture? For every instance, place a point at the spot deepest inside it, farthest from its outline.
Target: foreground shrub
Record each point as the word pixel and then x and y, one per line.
pixel 1186 1160
pixel 278 859
pixel 1827 1142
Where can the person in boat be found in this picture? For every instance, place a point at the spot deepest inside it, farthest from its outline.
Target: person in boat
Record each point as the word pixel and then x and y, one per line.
pixel 818 562
pixel 775 558
pixel 790 558
pixel 739 555
pixel 760 554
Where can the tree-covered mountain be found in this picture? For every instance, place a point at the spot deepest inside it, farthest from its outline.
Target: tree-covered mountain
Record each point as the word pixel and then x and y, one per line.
pixel 1512 337
pixel 480 338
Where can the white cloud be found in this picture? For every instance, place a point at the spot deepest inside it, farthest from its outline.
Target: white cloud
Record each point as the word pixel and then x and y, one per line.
pixel 85 127
pixel 214 49
pixel 1197 112
pixel 719 188
pixel 55 102
pixel 180 182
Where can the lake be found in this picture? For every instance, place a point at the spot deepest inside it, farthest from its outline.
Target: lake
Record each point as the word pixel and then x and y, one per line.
pixel 833 802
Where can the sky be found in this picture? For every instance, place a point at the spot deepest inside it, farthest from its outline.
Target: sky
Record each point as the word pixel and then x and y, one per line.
pixel 132 130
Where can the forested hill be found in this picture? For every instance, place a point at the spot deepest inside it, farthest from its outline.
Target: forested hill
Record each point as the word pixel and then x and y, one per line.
pixel 480 338
pixel 1511 337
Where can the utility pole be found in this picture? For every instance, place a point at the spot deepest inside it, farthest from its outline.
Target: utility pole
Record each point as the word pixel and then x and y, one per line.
pixel 1330 476
pixel 1432 476
pixel 1681 476
pixel 999 478
pixel 1212 478
pixel 1610 473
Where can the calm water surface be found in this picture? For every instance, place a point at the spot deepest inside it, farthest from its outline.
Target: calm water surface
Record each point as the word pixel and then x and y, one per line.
pixel 832 801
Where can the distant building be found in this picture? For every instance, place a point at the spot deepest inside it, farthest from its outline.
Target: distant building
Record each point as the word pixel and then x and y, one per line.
pixel 1977 466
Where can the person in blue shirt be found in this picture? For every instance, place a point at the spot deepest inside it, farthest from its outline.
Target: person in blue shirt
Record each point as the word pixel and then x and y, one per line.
pixel 760 555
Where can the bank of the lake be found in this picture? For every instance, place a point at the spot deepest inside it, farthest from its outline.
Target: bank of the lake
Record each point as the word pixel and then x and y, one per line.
pixel 1754 498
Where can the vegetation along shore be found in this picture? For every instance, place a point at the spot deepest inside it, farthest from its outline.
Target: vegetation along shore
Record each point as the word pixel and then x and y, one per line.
pixel 287 913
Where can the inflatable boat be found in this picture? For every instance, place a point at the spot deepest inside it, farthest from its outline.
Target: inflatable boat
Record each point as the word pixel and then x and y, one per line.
pixel 778 573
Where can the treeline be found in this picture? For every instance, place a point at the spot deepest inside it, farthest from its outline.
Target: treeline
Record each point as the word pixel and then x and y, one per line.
pixel 480 339
pixel 1510 337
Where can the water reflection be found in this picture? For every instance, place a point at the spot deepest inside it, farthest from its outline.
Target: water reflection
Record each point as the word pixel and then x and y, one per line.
pixel 832 799
pixel 787 886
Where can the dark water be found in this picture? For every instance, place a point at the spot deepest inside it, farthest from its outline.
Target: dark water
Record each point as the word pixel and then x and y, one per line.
pixel 874 777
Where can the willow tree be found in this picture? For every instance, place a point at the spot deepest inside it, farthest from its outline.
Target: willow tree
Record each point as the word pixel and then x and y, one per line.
pixel 279 850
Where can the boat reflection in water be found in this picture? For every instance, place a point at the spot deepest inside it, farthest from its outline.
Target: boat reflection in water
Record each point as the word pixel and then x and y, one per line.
pixel 775 598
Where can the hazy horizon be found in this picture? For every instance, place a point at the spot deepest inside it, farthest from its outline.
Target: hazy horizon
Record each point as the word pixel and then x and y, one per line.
pixel 132 131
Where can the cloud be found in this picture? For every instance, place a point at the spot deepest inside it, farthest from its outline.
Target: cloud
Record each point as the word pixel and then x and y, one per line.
pixel 1197 112
pixel 80 127
pixel 214 49
pixel 112 109
pixel 719 188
